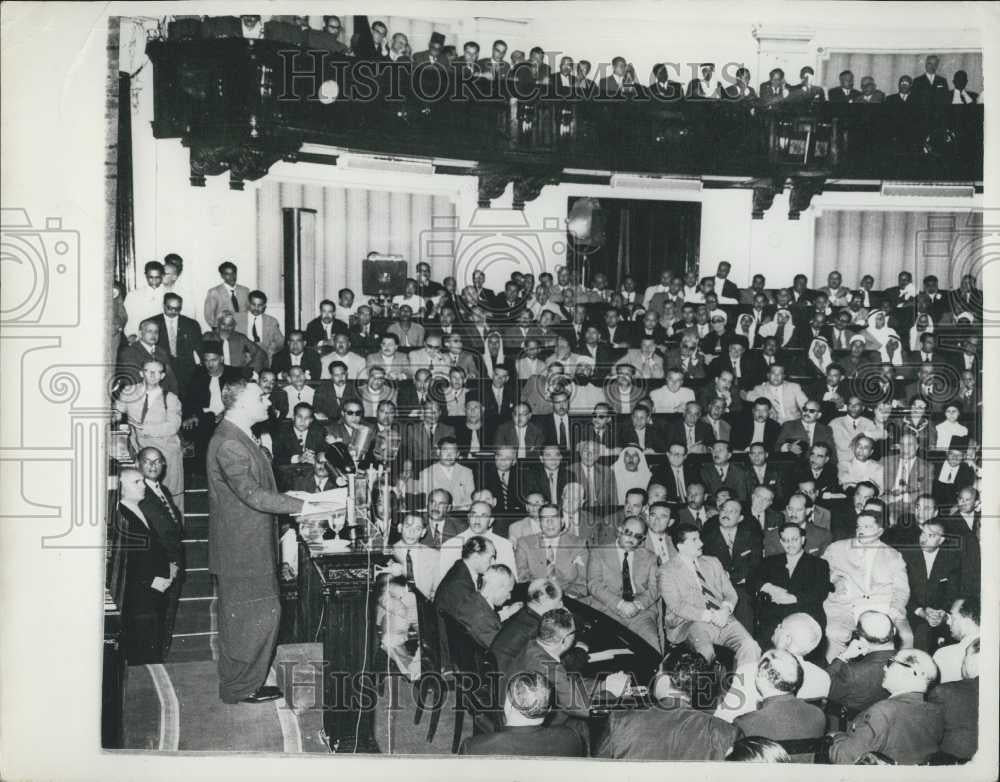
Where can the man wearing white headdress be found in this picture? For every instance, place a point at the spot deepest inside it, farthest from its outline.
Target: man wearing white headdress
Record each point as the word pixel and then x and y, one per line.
pixel 780 327
pixel 631 471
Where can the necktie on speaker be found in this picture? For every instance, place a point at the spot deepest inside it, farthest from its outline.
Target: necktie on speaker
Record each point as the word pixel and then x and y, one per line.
pixel 628 594
pixel 232 300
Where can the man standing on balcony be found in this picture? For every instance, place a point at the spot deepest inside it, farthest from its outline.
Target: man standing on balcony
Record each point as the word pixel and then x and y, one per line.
pixel 845 93
pixel 805 90
pixel 929 88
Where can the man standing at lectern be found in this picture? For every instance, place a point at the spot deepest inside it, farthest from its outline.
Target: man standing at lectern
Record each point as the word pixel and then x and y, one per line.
pixel 242 545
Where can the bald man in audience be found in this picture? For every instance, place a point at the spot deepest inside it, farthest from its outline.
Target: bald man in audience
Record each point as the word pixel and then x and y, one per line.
pixel 525 709
pixel 799 635
pixel 543 594
pixel 856 673
pixel 904 726
pixel 781 715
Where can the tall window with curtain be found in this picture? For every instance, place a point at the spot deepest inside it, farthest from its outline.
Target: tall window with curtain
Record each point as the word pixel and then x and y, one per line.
pixel 644 238
pixel 884 243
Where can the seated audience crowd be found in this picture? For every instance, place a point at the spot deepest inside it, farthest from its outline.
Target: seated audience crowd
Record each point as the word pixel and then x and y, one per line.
pixel 782 483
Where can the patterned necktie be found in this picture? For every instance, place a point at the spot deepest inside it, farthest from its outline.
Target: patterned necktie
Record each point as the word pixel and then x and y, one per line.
pixel 437 535
pixel 158 491
pixel 233 301
pixel 550 555
pixel 504 490
pixel 709 595
pixel 628 594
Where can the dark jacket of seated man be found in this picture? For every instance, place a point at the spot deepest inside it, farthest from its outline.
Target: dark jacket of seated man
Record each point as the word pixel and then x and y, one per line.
pixel 286 441
pixel 674 728
pixel 526 707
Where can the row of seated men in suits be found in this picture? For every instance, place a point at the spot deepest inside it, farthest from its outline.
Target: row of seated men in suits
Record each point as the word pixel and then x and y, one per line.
pixel 561 532
pixel 534 641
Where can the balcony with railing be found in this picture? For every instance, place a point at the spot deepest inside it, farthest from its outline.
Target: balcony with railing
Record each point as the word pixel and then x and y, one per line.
pixel 243 104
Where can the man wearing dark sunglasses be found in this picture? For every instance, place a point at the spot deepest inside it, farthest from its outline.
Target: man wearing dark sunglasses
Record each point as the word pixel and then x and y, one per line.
pixel 622 581
pixel 180 336
pixel 904 726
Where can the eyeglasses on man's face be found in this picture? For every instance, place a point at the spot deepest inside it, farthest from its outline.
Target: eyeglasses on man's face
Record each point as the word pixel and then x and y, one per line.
pixel 889 663
pixel 352 412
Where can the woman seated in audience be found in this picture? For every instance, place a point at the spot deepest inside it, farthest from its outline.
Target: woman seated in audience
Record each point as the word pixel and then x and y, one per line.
pixel 154 417
pixel 949 428
pixel 631 471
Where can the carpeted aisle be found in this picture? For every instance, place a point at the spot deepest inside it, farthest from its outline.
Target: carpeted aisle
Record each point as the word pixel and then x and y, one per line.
pixel 176 707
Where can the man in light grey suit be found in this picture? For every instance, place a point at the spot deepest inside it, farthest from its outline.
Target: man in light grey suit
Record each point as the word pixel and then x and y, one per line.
pixel 554 553
pixel 261 328
pixel 622 581
pixel 228 295
pixel 242 545
pixel 699 599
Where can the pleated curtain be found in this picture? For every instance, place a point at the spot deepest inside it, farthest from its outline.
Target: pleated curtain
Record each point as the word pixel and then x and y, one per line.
pixel 887 67
pixel 350 223
pixel 883 243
